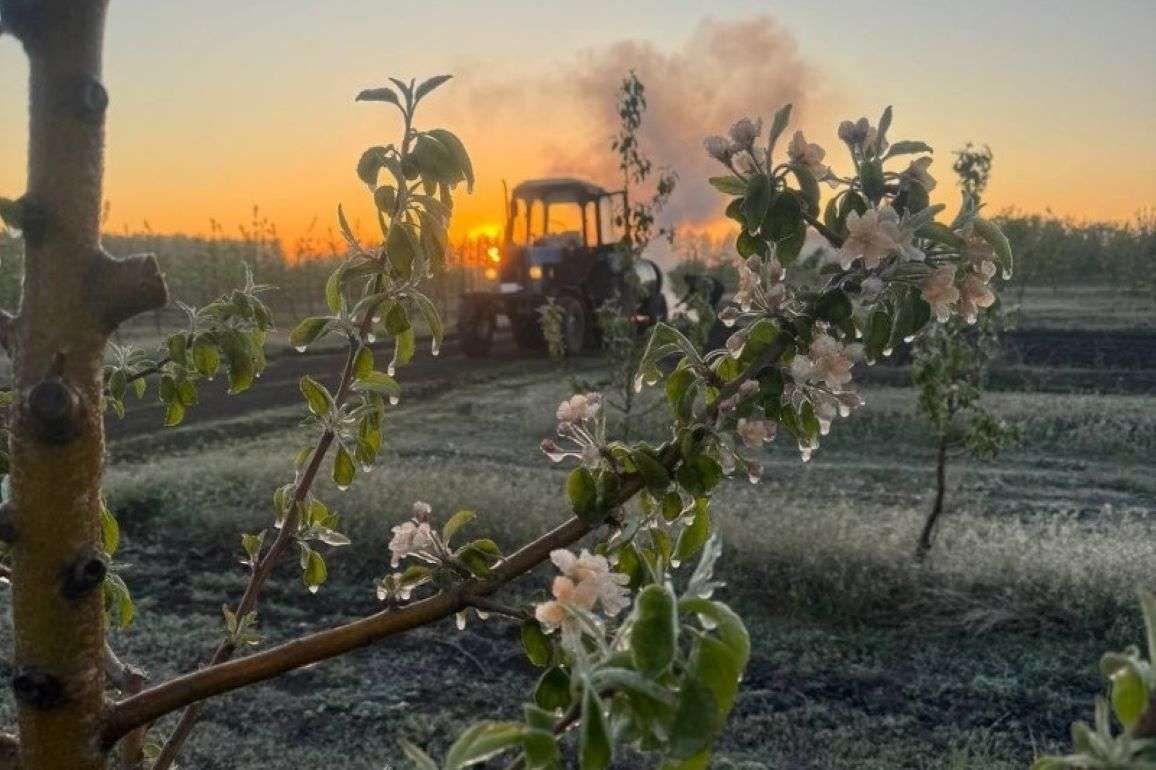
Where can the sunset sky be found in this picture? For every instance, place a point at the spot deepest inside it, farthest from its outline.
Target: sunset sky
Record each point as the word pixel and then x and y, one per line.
pixel 218 105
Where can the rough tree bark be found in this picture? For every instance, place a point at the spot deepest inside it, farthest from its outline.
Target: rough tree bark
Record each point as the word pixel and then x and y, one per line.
pixel 74 296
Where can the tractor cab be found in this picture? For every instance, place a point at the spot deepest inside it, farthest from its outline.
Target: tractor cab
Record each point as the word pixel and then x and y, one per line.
pixel 562 243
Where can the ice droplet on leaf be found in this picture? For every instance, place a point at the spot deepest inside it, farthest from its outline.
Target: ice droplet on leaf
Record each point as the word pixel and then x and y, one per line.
pixel 394 400
pixel 460 621
pixel 298 348
pixel 314 589
pixel 391 370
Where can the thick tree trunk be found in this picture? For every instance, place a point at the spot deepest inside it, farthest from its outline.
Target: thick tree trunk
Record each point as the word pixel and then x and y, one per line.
pixel 74 296
pixel 924 546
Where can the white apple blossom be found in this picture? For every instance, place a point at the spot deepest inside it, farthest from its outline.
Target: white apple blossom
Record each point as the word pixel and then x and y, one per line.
pixel 917 171
pixel 831 360
pixel 421 511
pixel 578 408
pixel 939 291
pixel 586 581
pixel 902 233
pixel 745 131
pixel 755 433
pixel 803 153
pixel 870 236
pixel 974 293
pixel 410 538
pixel 719 148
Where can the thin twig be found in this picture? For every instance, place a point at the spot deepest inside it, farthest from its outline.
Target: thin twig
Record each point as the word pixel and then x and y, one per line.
pixel 834 238
pixel 287 533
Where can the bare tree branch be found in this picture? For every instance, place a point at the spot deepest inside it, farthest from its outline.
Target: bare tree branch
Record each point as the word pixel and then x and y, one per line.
pixel 127 287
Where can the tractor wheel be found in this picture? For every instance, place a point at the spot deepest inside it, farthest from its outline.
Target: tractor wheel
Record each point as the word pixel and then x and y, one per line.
pixel 527 332
pixel 575 332
pixel 476 328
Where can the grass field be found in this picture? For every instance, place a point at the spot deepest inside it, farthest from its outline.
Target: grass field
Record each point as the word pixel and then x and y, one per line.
pixel 862 659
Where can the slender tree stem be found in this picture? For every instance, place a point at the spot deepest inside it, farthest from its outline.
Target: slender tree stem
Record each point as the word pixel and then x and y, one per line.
pixel 925 537
pixel 288 531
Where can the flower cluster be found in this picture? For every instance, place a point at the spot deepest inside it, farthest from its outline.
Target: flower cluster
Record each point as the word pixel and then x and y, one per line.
pixel 827 361
pixel 581 429
pixel 586 581
pixel 415 538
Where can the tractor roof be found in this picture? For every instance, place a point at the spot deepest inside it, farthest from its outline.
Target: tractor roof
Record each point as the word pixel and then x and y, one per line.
pixel 558 190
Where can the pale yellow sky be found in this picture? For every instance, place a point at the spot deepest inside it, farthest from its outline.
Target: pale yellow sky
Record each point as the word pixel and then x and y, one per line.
pixel 218 105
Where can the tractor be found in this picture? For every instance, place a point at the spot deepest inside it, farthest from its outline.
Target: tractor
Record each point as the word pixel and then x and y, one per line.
pixel 563 243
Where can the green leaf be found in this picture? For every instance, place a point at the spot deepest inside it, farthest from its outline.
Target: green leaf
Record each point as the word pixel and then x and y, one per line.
pixel 109 530
pixel 404 346
pixel 694 535
pixel 429 85
pixel 363 362
pixel 1129 696
pixel 808 186
pixel 778 126
pixel 536 644
pixel 401 250
pixel 878 333
pixel 318 398
pixel 206 357
pixel 884 123
pixel 654 473
pixel 421 760
pixel 729 184
pixel 435 161
pixel 552 692
pixel 378 382
pixel 941 233
pixel 370 165
pixel 727 624
pixel 187 393
pixel 654 635
pixel 679 392
pixel 593 738
pixel 383 94
pixel 834 306
pixel 456 522
pixel 785 227
pixel 315 572
pixel 760 190
pixel 458 152
pixel 307 331
pixel 426 307
pixel 343 468
pixel 239 355
pixel 541 747
pixel 333 296
pixel 695 720
pixel 482 741
pixel 871 177
pixel 906 147
pixel 995 238
pixel 174 413
pixel 699 475
pixel 583 494
pixel 177 345
pixel 118 599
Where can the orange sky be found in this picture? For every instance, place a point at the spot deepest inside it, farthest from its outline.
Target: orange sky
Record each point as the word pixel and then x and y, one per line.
pixel 215 108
